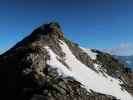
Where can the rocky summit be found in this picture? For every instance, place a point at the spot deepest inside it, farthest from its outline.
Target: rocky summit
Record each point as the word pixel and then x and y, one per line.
pixel 47 66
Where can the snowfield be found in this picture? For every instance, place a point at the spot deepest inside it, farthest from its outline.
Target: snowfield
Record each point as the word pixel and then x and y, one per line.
pixel 86 76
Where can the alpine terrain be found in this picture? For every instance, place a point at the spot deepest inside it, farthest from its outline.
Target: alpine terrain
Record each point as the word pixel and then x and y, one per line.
pixel 47 66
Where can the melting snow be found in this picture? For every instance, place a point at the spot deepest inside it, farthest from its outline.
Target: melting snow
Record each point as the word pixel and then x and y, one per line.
pixel 87 77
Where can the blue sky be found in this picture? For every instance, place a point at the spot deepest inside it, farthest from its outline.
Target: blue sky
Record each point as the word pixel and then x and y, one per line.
pixel 101 24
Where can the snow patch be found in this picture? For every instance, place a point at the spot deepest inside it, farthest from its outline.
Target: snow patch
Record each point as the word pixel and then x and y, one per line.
pixel 53 62
pixel 90 53
pixel 92 80
pixel 99 68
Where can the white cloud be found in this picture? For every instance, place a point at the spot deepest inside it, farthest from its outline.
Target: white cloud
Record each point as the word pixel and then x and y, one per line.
pixel 123 49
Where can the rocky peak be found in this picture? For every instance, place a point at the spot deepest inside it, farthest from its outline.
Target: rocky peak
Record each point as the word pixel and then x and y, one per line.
pixel 51 29
pixel 27 74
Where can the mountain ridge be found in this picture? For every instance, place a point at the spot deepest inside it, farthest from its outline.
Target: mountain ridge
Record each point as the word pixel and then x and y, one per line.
pixel 43 67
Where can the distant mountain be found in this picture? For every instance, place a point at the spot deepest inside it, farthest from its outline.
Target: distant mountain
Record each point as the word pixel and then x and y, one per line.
pixel 47 66
pixel 127 60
